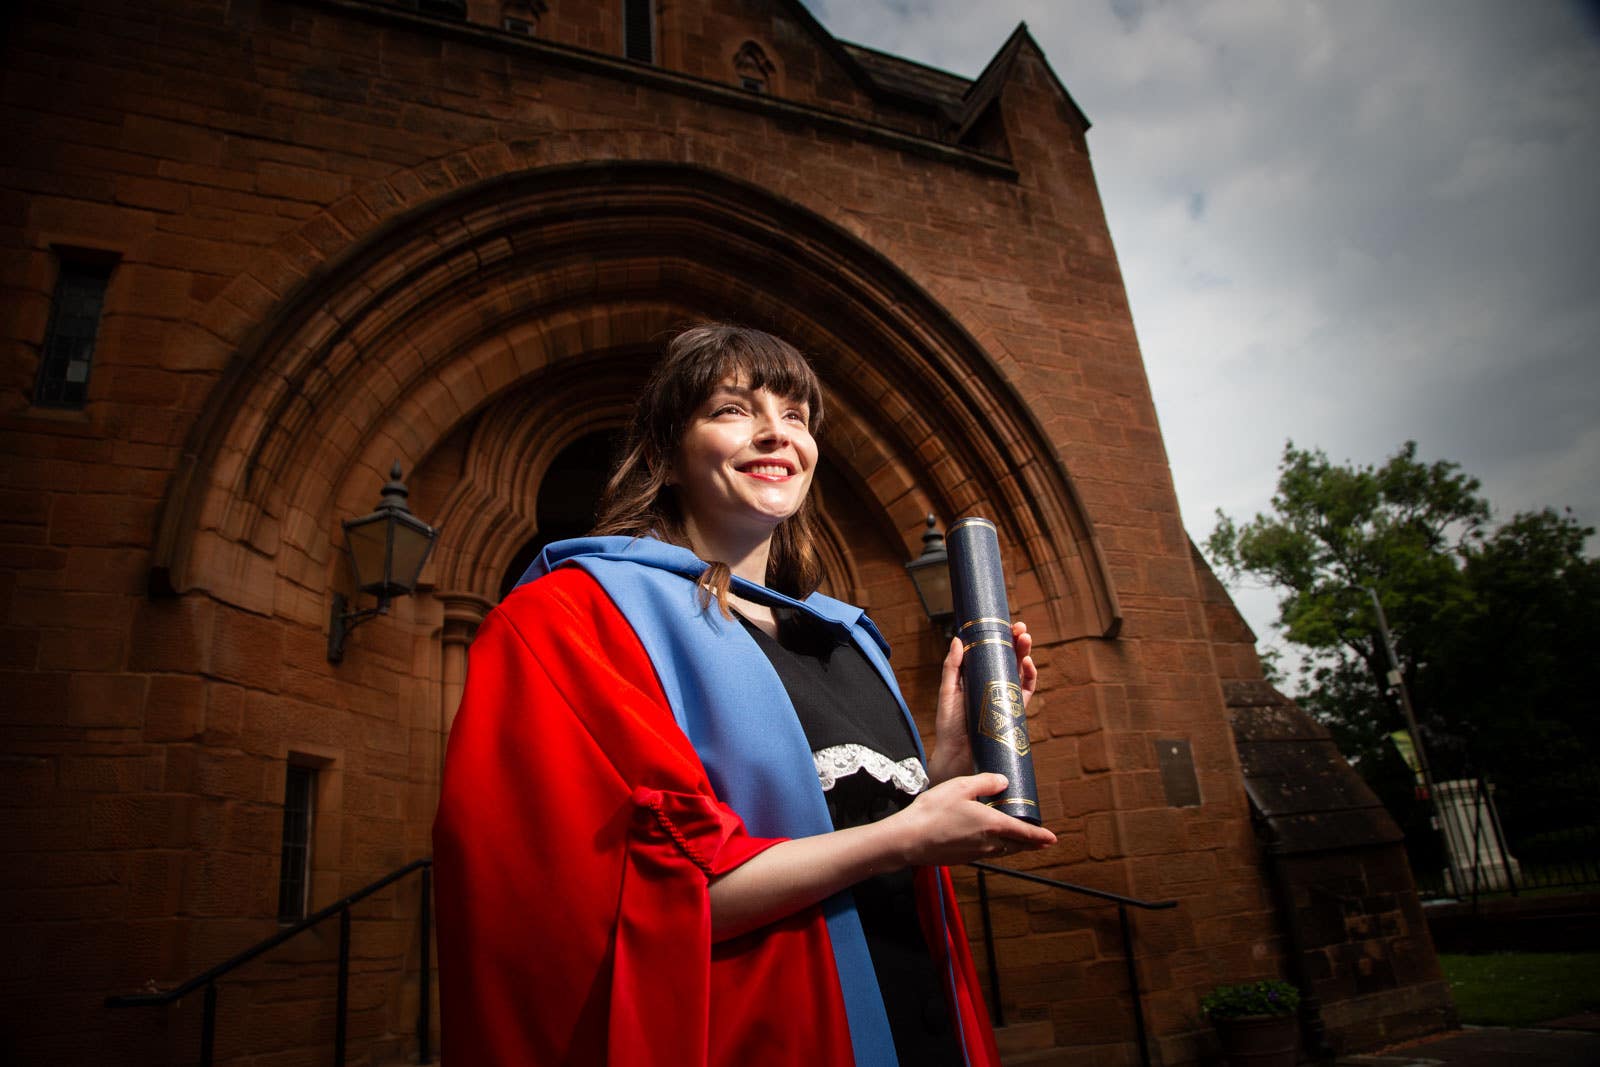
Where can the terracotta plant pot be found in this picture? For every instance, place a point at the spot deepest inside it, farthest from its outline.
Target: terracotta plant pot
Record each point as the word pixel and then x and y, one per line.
pixel 1259 1040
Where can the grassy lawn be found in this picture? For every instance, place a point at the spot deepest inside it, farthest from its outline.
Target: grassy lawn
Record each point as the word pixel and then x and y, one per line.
pixel 1522 988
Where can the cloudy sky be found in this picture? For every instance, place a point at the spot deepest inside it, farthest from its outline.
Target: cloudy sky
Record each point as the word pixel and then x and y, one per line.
pixel 1348 223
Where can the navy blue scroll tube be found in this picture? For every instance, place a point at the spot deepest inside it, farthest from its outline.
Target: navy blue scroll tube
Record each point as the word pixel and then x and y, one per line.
pixel 989 670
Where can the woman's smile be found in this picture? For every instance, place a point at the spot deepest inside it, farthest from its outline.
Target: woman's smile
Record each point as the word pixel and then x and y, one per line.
pixel 768 470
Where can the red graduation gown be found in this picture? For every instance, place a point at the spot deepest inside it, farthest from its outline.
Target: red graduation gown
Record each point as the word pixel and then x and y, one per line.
pixel 575 840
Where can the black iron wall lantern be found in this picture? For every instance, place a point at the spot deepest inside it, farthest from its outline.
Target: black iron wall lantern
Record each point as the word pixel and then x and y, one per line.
pixel 386 550
pixel 930 573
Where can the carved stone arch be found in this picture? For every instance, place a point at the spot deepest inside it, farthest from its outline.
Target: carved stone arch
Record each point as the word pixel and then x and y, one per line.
pixel 868 463
pixel 841 580
pixel 491 511
pixel 420 327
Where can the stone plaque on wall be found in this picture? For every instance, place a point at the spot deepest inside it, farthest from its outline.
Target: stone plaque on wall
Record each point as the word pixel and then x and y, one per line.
pixel 1177 773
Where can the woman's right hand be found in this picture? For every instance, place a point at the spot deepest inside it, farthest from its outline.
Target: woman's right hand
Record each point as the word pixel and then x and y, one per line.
pixel 945 825
pixel 948 825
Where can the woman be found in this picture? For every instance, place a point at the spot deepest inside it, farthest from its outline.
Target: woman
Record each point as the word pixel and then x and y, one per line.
pixel 684 805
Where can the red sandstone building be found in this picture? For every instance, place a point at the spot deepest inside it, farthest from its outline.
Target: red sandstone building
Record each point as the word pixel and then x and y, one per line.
pixel 257 251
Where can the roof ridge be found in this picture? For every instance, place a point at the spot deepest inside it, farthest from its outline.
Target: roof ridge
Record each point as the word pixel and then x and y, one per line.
pixel 905 61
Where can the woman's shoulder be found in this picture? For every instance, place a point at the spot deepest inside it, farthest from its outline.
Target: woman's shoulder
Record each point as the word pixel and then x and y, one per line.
pixel 566 620
pixel 569 583
pixel 557 601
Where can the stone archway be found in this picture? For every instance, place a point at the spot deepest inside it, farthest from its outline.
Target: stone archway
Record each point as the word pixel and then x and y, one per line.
pixel 419 328
pixel 524 308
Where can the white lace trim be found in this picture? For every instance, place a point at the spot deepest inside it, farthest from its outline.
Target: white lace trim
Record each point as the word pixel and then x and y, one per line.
pixel 841 761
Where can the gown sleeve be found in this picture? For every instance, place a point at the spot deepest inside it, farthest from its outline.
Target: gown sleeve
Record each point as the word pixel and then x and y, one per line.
pixel 573 848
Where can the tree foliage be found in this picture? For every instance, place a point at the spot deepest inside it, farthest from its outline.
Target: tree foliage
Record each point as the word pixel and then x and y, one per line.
pixel 1335 532
pixel 1495 629
pixel 1517 668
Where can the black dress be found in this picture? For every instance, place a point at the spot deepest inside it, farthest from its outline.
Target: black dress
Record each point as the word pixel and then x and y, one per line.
pixel 867 763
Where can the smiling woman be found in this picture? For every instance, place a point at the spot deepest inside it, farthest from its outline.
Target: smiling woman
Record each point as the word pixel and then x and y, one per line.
pixel 734 833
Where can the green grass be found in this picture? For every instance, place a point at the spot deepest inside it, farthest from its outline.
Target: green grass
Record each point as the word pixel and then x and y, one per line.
pixel 1522 988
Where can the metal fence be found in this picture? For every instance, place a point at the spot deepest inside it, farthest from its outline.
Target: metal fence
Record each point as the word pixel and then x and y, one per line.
pixel 1472 839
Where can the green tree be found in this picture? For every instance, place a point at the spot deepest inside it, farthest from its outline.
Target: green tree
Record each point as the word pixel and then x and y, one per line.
pixel 1403 529
pixel 1495 629
pixel 1517 670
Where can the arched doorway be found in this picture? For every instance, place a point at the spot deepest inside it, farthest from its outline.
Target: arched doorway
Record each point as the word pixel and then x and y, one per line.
pixel 415 331
pixel 479 337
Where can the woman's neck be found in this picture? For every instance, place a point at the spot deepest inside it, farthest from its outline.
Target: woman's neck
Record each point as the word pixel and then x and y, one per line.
pixel 746 558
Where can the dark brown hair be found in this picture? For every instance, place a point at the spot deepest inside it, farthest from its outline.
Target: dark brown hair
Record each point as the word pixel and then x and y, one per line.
pixel 637 499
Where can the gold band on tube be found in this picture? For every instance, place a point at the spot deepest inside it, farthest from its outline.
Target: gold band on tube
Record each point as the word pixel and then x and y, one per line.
pixel 988 641
pixel 986 618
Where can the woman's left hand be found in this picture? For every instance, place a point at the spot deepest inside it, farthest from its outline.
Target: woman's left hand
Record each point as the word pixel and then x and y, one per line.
pixel 952 746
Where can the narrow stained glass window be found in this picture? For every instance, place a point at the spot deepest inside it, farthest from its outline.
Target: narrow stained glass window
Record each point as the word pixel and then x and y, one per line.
pixel 294 872
pixel 68 347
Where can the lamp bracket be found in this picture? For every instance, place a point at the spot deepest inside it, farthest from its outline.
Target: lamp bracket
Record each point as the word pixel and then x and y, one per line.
pixel 341 622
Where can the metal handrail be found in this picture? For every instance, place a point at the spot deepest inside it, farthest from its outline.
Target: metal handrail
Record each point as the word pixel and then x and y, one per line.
pixel 341 907
pixel 1123 904
pixel 208 978
pixel 1071 887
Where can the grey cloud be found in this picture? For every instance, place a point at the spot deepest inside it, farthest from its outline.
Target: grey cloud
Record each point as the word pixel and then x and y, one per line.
pixel 1345 223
